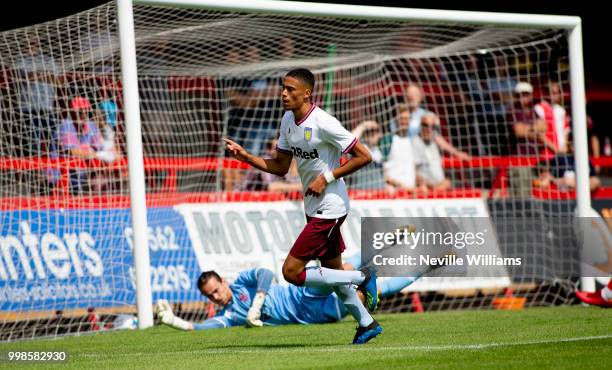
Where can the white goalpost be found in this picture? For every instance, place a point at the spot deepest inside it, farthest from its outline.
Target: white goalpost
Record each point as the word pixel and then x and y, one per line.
pixel 135 161
pixel 116 191
pixel 571 24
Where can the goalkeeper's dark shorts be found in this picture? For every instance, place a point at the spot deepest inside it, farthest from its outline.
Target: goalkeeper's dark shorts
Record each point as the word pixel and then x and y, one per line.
pixel 320 239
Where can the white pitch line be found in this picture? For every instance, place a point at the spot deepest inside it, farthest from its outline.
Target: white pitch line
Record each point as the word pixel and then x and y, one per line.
pixel 352 348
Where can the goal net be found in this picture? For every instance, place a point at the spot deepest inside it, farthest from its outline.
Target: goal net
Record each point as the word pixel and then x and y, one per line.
pixel 66 262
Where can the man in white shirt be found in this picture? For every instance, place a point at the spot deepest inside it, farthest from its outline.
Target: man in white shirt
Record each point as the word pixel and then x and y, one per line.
pixel 317 141
pixel 427 156
pixel 399 168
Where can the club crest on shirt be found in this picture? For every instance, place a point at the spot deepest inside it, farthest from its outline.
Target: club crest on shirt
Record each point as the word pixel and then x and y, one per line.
pixel 307 133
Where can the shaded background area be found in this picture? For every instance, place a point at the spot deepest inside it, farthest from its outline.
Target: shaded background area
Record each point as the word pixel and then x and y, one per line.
pixel 597 70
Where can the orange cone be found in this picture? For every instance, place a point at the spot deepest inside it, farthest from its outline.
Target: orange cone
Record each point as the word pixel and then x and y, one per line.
pixel 417 306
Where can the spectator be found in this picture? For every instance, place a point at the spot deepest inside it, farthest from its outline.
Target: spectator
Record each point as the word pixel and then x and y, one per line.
pixel 527 140
pixel 372 175
pixel 561 171
pixel 399 166
pixel 79 138
pixel 107 117
pixel 471 83
pixel 256 180
pixel 429 171
pixel 557 121
pixel 528 128
pixel 594 143
pixel 286 48
pixel 246 122
pixel 37 74
pixel 415 98
pixel 501 87
pixel 249 98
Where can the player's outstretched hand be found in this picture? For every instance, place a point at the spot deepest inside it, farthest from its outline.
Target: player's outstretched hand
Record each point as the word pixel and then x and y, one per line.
pixel 254 323
pixel 254 314
pixel 166 316
pixel 236 150
pixel 316 187
pixel 164 312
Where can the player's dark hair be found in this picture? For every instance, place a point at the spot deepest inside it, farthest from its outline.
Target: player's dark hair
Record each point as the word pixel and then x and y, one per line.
pixel 304 75
pixel 205 276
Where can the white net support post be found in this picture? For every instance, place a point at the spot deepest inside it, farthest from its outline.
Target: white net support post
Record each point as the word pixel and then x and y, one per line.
pixel 131 110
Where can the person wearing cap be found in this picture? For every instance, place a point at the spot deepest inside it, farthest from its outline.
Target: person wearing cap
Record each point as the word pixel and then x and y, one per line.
pixel 529 139
pixel 528 128
pixel 79 137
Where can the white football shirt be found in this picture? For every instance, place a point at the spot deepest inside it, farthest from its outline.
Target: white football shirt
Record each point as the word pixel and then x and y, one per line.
pixel 400 165
pixel 317 142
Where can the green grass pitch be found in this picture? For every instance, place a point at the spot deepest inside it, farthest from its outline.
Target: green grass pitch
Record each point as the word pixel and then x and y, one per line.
pixel 561 337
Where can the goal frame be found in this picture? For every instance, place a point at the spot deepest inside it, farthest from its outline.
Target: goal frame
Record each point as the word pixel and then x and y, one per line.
pixel 571 24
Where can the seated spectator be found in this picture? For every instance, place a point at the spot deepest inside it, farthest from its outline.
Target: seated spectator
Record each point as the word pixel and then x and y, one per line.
pixel 557 121
pixel 529 129
pixel 252 105
pixel 286 48
pixel 256 180
pixel 415 98
pixel 429 171
pixel 79 137
pixel 107 119
pixel 372 175
pixel 561 171
pixel 399 166
pixel 500 85
pixel 37 77
pixel 595 149
pixel 528 139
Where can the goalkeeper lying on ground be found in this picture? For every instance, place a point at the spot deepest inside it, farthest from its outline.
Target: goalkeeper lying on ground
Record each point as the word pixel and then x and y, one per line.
pixel 253 300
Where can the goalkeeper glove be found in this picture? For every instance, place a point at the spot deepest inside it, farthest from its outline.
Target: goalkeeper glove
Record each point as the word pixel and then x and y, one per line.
pixel 255 311
pixel 166 316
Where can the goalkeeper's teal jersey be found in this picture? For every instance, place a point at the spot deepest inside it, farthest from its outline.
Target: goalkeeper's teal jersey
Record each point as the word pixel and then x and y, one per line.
pixel 299 305
pixel 283 304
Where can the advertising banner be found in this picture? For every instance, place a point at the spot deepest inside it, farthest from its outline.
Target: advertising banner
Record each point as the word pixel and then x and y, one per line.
pixel 62 259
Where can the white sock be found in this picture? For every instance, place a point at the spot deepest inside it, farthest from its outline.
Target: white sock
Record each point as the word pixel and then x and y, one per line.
pixel 606 293
pixel 322 276
pixel 351 301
